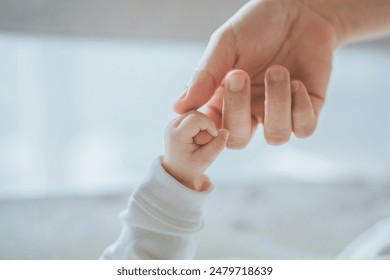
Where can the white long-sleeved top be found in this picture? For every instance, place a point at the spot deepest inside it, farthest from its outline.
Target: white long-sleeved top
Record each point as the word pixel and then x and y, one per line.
pixel 162 220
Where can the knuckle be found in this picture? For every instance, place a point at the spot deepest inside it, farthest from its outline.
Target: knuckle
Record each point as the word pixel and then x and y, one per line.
pixel 171 127
pixel 192 118
pixel 174 122
pixel 222 36
pixel 196 114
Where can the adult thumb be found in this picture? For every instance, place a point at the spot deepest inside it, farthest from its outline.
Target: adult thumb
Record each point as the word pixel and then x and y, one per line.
pixel 212 149
pixel 217 60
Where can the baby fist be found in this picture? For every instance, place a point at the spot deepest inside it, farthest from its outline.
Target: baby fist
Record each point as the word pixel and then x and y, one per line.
pixel 184 159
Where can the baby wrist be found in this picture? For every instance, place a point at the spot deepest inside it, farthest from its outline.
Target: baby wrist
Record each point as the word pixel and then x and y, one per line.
pixel 189 180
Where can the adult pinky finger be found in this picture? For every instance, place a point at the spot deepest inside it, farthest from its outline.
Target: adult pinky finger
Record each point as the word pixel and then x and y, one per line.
pixel 304 118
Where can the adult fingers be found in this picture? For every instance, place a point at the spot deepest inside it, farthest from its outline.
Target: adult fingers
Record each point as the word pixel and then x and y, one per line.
pixel 304 119
pixel 193 123
pixel 237 109
pixel 277 112
pixel 213 108
pixel 214 111
pixel 217 60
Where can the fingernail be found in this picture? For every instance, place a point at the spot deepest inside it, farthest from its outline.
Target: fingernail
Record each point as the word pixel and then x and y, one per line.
pixel 236 83
pixel 276 74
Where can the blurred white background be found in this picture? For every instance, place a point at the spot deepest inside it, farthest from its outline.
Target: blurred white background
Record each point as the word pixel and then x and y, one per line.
pixel 86 115
pixel 86 90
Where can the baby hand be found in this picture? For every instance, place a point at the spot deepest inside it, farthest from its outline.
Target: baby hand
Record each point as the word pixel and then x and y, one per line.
pixel 184 159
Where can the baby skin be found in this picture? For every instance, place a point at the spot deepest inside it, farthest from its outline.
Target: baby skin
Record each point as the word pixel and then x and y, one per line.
pixel 164 214
pixel 185 160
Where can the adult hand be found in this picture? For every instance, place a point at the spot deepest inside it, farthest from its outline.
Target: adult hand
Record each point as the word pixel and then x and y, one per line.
pixel 286 48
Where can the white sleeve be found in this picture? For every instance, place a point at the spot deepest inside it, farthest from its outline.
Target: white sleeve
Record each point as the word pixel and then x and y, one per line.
pixel 161 221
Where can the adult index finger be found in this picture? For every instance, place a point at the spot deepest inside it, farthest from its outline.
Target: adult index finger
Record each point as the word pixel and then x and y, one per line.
pixel 237 109
pixel 277 113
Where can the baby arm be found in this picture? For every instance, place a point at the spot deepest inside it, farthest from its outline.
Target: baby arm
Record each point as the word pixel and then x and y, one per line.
pixel 164 214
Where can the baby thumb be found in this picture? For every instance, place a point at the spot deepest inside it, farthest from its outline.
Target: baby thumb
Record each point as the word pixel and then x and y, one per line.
pixel 215 146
